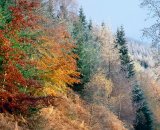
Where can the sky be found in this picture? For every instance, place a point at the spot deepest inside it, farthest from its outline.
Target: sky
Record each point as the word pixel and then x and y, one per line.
pixel 116 13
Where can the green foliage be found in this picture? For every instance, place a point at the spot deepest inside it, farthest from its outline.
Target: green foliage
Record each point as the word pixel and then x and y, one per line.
pixel 82 17
pixel 26 66
pixel 144 119
pixel 17 75
pixel 126 64
pixel 29 72
pixel 79 32
pixel 5 14
pixel 87 47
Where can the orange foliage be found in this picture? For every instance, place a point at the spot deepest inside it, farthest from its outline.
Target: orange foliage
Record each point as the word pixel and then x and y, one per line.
pixel 57 61
pixel 10 76
pixel 57 58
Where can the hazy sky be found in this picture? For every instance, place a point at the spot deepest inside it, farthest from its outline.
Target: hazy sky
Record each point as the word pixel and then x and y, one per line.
pixel 116 13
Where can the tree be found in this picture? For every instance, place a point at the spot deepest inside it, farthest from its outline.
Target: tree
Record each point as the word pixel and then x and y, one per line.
pixel 57 60
pixel 126 64
pixel 18 21
pixel 109 54
pixel 151 89
pixel 60 11
pixel 153 31
pixel 87 48
pixel 144 119
pixel 99 89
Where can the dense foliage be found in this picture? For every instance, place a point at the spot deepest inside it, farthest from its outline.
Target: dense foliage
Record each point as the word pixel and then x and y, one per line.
pixel 49 52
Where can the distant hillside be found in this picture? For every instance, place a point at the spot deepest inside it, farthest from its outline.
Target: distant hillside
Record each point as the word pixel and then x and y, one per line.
pixel 143 58
pixel 140 53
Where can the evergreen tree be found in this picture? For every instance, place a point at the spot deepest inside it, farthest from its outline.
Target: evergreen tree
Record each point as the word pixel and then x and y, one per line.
pixel 90 26
pixel 82 17
pixel 79 32
pixel 144 119
pixel 80 36
pixel 121 43
pixel 87 49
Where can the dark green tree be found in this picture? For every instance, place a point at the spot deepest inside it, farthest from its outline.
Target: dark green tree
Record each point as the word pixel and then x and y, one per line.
pixel 126 63
pixel 79 29
pixel 90 26
pixel 87 49
pixel 144 119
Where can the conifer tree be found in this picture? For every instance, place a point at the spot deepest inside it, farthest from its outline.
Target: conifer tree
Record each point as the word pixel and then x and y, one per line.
pixel 144 119
pixel 86 49
pixel 79 29
pixel 126 64
pixel 90 26
pixel 80 37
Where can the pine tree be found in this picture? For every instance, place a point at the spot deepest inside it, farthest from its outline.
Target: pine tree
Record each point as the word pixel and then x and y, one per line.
pixel 79 31
pixel 121 43
pixel 144 119
pixel 80 37
pixel 82 17
pixel 90 26
pixel 86 49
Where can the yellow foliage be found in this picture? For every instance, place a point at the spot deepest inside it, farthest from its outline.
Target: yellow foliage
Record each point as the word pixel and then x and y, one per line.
pixel 138 67
pixel 57 60
pixel 98 89
pixel 100 80
pixel 151 88
pixel 47 89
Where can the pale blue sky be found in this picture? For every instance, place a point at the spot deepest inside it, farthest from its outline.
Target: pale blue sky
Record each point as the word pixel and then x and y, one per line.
pixel 116 13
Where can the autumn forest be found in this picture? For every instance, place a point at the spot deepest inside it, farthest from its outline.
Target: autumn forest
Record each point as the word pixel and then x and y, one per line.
pixel 61 71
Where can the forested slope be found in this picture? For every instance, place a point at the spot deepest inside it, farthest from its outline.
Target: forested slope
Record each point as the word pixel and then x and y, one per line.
pixel 59 71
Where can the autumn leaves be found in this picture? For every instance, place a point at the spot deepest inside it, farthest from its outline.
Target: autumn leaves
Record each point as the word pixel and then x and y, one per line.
pixel 57 59
pixel 35 60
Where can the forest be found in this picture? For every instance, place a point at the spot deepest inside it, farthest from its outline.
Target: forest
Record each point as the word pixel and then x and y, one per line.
pixel 61 71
